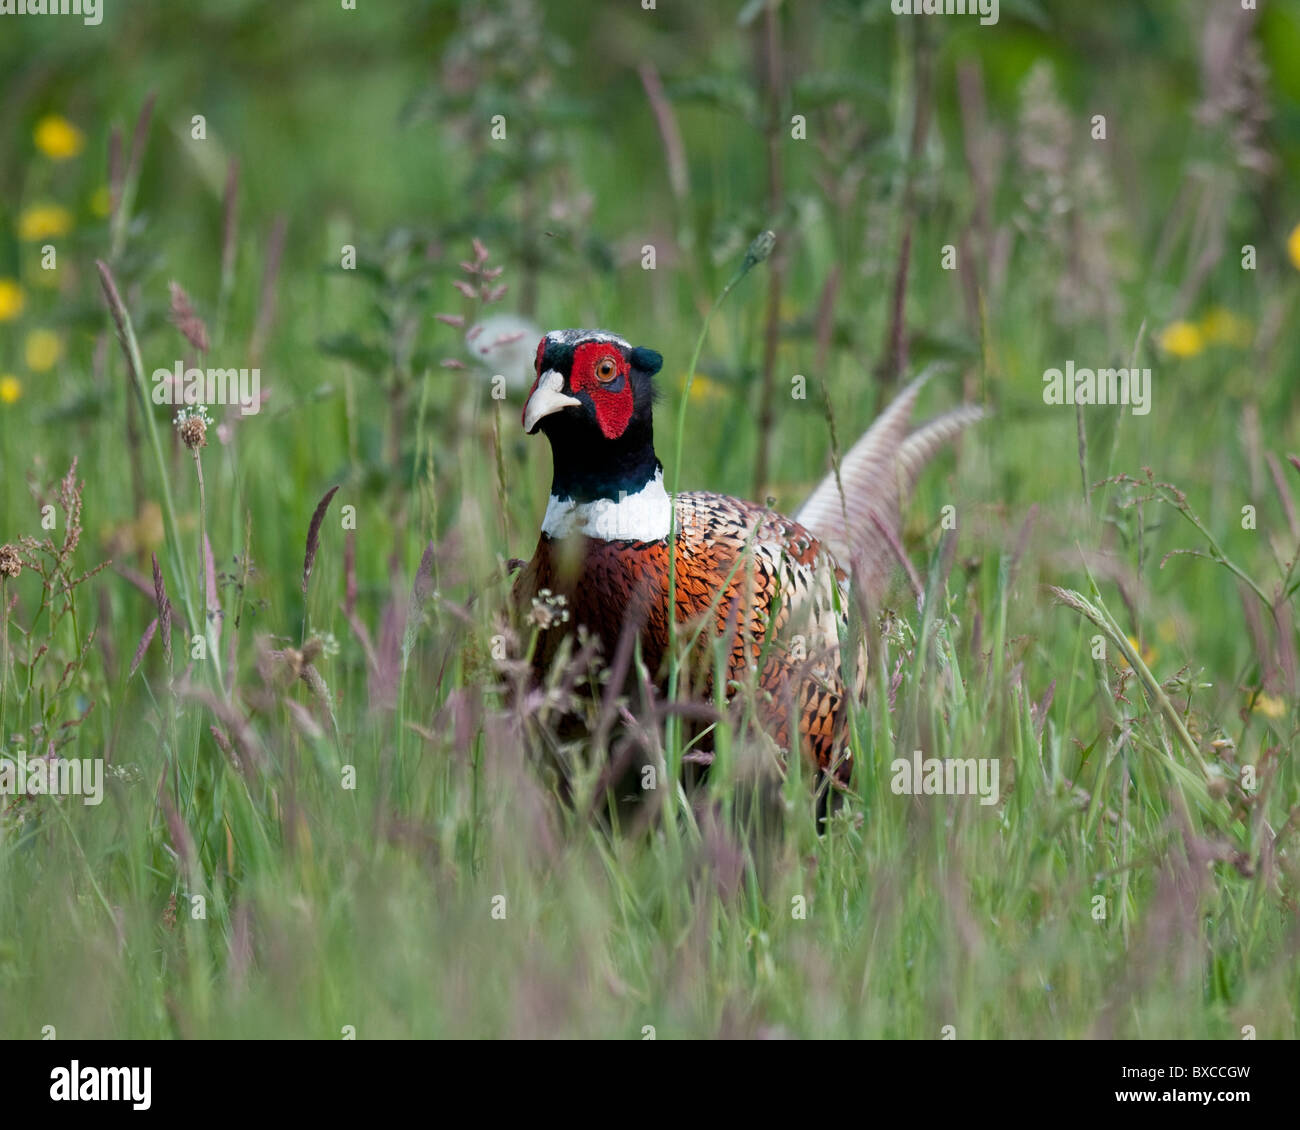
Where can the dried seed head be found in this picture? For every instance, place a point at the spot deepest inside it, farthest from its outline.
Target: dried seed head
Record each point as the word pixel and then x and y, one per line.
pixel 194 433
pixel 10 563
pixel 548 609
pixel 192 423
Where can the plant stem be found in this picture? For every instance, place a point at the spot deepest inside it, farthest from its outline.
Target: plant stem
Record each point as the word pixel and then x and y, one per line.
pixel 131 350
pixel 759 250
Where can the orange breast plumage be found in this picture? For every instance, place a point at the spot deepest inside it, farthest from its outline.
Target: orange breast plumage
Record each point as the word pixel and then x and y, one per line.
pixel 746 575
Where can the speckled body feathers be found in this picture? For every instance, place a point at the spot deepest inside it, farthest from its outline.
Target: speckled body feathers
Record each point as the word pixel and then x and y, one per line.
pixel 749 576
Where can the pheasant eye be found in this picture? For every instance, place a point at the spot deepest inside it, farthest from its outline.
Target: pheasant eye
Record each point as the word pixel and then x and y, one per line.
pixel 606 370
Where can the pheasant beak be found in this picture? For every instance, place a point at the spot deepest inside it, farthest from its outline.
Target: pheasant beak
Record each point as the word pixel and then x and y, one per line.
pixel 547 399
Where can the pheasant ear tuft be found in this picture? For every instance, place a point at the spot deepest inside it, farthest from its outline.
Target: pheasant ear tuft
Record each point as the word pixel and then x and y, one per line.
pixel 647 360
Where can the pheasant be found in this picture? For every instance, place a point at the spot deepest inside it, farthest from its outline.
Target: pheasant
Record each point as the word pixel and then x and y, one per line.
pixel 775 590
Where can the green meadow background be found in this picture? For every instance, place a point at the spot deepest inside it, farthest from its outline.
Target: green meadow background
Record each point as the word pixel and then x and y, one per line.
pixel 333 821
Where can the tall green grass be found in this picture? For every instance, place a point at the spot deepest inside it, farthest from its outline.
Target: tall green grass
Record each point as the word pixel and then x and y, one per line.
pixel 1127 883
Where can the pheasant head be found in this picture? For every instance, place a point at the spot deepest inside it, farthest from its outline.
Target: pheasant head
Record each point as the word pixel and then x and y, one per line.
pixel 590 385
pixel 592 399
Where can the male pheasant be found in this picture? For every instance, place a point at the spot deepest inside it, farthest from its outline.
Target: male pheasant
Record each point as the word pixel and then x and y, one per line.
pixel 775 589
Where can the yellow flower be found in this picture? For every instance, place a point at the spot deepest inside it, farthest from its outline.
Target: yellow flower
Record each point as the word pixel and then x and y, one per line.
pixel 58 138
pixel 11 388
pixel 1270 706
pixel 101 202
pixel 43 350
pixel 1223 327
pixel 702 388
pixel 1293 247
pixel 1147 653
pixel 44 221
pixel 11 300
pixel 1182 339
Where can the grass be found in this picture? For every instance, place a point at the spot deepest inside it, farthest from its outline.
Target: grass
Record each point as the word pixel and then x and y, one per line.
pixel 332 818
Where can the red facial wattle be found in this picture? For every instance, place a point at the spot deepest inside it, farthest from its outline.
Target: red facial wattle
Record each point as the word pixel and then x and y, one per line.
pixel 612 396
